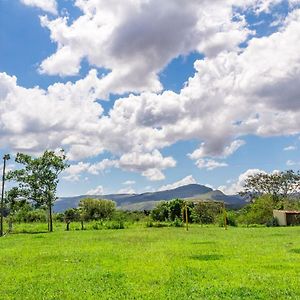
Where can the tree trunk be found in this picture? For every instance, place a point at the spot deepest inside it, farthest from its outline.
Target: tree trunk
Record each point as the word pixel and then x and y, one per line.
pixel 50 218
pixel 68 226
pixel 82 228
pixel 10 225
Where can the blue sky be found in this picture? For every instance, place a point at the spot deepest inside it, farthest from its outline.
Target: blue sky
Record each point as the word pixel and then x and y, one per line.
pixel 207 93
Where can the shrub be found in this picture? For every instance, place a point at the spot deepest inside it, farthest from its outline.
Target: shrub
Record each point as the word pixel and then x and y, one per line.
pixel 176 223
pixel 273 222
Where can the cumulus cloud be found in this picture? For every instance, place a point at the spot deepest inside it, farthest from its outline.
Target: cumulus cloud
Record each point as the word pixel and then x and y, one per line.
pixel 129 182
pixel 290 148
pixel 227 98
pixel 134 48
pixel 73 172
pixel 184 181
pixel 96 191
pixel 46 5
pixel 210 164
pixel 127 190
pixel 236 186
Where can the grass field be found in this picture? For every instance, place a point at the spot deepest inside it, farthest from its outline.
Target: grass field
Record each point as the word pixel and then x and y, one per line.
pixel 152 263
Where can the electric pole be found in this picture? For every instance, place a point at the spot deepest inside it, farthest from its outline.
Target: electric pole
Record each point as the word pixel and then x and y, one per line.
pixel 5 158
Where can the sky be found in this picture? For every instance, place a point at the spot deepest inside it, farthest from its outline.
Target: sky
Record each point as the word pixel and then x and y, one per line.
pixel 146 95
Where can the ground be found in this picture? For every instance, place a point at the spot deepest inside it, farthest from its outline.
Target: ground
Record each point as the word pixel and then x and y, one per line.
pixel 152 263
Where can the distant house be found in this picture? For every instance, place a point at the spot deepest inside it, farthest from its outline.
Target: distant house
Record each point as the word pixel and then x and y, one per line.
pixel 287 217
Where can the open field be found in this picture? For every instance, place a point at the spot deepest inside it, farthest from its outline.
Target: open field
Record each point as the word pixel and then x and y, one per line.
pixel 152 263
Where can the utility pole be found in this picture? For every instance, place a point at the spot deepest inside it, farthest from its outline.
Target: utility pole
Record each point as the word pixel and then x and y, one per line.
pixel 5 158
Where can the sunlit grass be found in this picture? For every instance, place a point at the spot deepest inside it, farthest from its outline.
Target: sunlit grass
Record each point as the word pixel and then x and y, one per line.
pixel 152 263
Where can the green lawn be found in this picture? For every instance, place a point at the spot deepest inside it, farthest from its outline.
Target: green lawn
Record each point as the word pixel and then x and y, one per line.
pixel 152 263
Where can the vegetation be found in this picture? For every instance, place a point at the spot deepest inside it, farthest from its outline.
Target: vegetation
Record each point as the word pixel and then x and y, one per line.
pixel 37 180
pixel 280 185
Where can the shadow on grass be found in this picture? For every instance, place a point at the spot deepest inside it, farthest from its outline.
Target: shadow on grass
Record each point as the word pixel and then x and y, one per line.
pixel 206 257
pixel 295 250
pixel 204 243
pixel 30 232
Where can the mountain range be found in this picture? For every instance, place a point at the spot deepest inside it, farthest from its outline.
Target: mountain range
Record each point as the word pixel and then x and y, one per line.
pixel 147 201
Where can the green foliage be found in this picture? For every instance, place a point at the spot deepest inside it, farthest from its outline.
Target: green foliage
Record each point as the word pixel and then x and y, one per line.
pixel 231 219
pixel 160 212
pixel 97 209
pixel 273 222
pixel 38 179
pixel 171 210
pixel 71 215
pixel 258 212
pixel 27 215
pixel 206 212
pixel 129 216
pixel 279 185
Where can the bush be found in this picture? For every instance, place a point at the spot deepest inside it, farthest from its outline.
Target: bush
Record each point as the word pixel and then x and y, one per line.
pixel 258 212
pixel 230 219
pixel 273 222
pixel 176 223
pixel 206 212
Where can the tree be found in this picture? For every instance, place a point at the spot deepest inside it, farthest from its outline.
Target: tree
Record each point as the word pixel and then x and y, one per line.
pixel 206 212
pixel 258 212
pixel 96 209
pixel 38 179
pixel 279 185
pixel 71 215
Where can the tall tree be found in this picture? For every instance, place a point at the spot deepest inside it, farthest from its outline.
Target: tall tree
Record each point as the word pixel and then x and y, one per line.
pixel 279 185
pixel 38 179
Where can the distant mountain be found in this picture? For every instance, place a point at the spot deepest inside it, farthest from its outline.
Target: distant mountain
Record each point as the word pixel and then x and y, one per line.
pixel 149 200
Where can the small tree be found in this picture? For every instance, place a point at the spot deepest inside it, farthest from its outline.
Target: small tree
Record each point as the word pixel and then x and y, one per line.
pixel 71 215
pixel 205 212
pixel 38 179
pixel 96 209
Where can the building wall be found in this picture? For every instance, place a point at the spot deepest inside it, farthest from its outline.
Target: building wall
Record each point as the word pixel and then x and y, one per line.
pixel 281 216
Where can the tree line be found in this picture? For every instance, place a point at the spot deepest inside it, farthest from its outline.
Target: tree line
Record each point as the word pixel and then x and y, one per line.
pixel 35 185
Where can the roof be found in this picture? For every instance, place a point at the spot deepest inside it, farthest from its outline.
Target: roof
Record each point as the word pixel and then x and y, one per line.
pixel 289 211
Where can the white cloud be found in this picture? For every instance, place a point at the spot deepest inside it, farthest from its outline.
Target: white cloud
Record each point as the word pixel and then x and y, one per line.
pixel 134 47
pixel 290 148
pixel 96 191
pixel 129 182
pixel 237 185
pixel 154 174
pixel 227 98
pixel 73 171
pixel 184 181
pixel 46 5
pixel 213 150
pixel 210 164
pixel 101 166
pixel 291 163
pixel 127 190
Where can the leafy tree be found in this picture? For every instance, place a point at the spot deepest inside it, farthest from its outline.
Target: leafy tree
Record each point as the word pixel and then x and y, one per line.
pixel 206 212
pixel 170 210
pixel 175 209
pixel 279 185
pixel 71 215
pixel 38 179
pixel 96 209
pixel 160 212
pixel 258 212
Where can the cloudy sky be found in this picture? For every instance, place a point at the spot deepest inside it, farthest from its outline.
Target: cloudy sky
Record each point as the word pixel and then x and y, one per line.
pixel 146 95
